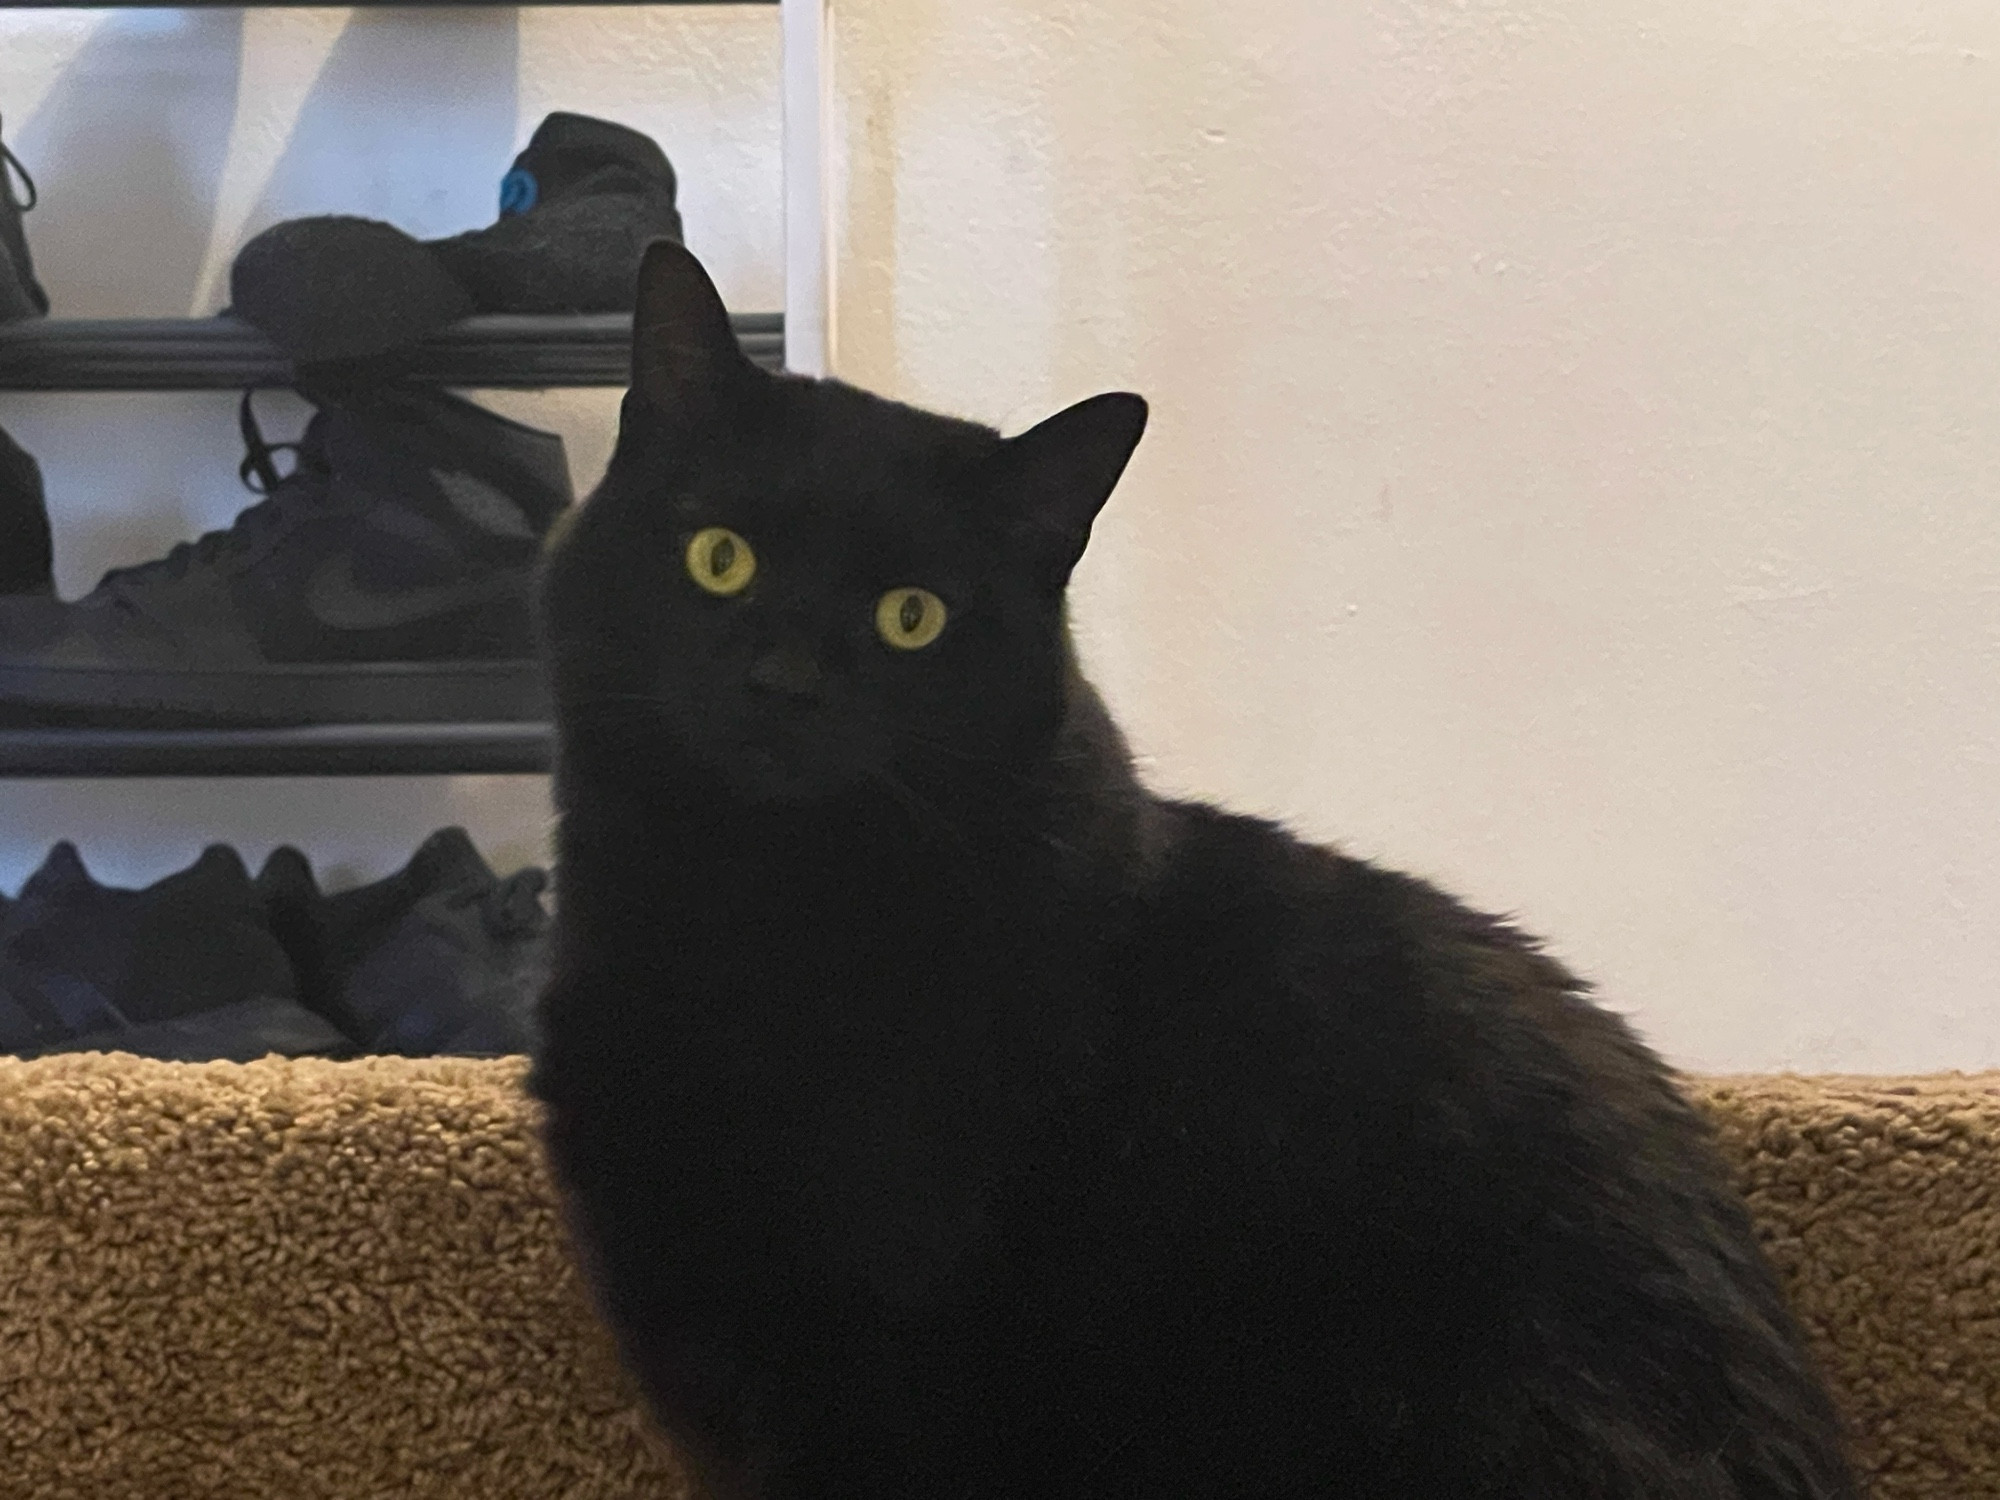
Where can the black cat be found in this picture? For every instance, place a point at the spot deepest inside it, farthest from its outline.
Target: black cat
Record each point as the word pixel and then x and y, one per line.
pixel 941 1115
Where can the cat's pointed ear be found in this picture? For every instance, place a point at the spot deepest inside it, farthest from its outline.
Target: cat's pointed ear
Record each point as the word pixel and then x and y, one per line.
pixel 1057 475
pixel 685 358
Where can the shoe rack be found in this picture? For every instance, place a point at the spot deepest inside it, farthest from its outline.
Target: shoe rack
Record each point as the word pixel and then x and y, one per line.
pixel 508 351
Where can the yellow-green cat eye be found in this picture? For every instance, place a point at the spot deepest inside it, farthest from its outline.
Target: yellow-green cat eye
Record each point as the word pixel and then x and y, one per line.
pixel 720 560
pixel 909 619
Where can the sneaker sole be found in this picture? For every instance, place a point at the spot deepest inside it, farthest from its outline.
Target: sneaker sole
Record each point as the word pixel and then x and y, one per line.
pixel 239 1032
pixel 311 693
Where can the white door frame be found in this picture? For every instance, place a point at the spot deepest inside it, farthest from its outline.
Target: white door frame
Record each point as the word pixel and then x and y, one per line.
pixel 807 136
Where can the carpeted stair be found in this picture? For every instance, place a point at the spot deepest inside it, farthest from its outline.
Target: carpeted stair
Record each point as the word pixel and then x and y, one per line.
pixel 339 1281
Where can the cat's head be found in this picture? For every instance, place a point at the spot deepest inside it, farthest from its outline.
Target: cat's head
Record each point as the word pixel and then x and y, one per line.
pixel 803 590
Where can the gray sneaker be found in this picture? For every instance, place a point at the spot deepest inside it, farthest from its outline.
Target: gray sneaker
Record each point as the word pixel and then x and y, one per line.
pixel 440 958
pixel 387 578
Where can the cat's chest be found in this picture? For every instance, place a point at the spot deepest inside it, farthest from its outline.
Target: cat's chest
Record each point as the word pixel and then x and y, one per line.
pixel 843 1104
pixel 877 955
pixel 803 1126
pixel 846 1043
pixel 829 1066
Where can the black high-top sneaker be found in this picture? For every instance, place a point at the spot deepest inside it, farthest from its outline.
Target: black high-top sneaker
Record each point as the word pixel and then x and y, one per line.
pixel 387 578
pixel 185 969
pixel 21 296
pixel 577 209
pixel 25 552
pixel 333 289
pixel 441 957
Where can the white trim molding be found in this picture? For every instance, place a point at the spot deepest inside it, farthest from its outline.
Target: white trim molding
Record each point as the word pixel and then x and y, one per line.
pixel 808 247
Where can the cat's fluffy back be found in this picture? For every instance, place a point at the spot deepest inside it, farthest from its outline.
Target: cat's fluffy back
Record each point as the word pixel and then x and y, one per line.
pixel 1347 1067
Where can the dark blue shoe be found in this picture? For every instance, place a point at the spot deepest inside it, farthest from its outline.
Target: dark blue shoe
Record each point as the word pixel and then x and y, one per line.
pixel 577 210
pixel 186 969
pixel 334 289
pixel 439 959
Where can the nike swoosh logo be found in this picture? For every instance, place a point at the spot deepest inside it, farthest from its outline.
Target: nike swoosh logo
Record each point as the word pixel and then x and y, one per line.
pixel 336 600
pixel 485 507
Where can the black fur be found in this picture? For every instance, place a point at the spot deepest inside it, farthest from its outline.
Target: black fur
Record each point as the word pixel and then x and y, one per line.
pixel 943 1116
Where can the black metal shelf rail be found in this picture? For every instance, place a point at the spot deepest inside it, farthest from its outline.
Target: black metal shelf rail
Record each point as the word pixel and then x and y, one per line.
pixel 312 750
pixel 493 352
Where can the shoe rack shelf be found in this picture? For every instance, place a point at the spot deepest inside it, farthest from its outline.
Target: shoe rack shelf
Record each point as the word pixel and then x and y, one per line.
pixel 221 353
pixel 501 351
pixel 309 750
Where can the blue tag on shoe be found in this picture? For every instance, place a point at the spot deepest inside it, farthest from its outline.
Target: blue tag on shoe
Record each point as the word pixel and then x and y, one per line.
pixel 518 192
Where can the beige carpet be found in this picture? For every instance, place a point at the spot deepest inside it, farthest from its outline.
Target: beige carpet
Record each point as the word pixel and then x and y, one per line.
pixel 344 1280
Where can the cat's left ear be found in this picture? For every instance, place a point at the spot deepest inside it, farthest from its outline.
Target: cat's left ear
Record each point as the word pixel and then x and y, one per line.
pixel 1057 475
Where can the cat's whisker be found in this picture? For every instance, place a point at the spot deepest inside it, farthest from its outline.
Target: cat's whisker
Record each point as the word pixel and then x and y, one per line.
pixel 920 807
pixel 989 763
pixel 1062 846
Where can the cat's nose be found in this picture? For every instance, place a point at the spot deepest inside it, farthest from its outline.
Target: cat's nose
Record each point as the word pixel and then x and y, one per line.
pixel 789 669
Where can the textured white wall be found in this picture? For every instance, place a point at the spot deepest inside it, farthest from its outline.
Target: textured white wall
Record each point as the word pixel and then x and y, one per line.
pixel 1575 466
pixel 161 141
pixel 1575 441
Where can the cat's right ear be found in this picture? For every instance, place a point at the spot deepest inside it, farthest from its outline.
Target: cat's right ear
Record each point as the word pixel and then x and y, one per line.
pixel 685 358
